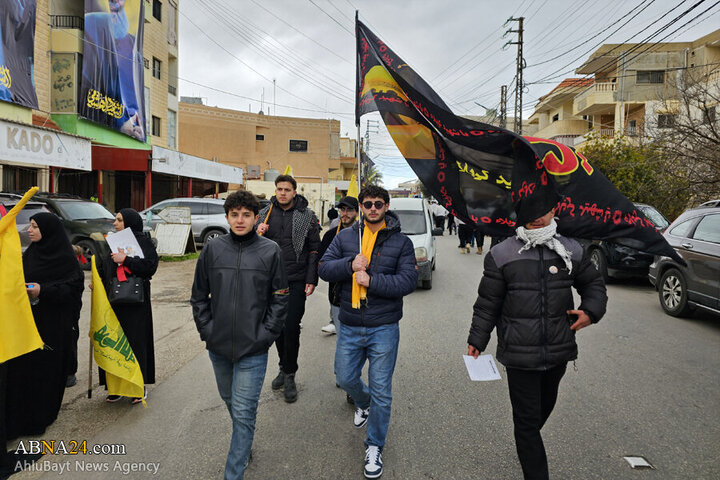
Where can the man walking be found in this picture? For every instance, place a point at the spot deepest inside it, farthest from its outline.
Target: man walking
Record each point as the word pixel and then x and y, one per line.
pixel 348 207
pixel 239 301
pixel 289 222
pixel 373 278
pixel 525 293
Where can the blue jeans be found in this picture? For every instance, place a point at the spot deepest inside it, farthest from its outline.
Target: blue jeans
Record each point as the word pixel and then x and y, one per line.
pixel 378 345
pixel 239 385
pixel 334 315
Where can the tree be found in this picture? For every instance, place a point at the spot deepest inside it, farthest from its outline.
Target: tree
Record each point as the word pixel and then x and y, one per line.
pixel 639 170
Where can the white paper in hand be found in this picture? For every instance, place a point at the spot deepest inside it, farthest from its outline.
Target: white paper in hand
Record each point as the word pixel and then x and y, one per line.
pixel 482 369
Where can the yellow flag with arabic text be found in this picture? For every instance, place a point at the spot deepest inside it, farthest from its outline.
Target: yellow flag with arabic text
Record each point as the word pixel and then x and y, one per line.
pixel 18 333
pixel 288 170
pixel 353 188
pixel 111 347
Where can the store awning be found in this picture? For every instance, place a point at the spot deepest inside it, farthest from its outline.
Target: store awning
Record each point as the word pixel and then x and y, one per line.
pixel 44 147
pixel 172 162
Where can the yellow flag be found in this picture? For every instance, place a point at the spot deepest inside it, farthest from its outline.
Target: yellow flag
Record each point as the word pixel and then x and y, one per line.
pixel 353 188
pixel 288 170
pixel 111 348
pixel 18 333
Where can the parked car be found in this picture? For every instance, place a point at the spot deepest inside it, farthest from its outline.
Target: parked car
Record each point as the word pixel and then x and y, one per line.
pixel 8 201
pixel 695 236
pixel 614 260
pixel 80 218
pixel 711 203
pixel 207 216
pixel 416 223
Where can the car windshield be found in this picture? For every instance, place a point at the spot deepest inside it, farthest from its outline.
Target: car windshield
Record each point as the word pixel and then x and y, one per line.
pixel 655 217
pixel 84 210
pixel 412 222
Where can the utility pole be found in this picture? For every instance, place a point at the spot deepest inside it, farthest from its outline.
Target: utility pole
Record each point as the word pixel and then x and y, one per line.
pixel 503 105
pixel 519 66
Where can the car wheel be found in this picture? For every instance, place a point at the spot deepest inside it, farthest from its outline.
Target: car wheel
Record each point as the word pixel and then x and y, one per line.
pixel 673 293
pixel 427 284
pixel 210 234
pixel 597 258
pixel 88 249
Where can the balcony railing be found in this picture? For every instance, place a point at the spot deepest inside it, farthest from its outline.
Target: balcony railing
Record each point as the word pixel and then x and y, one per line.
pixel 172 90
pixel 67 21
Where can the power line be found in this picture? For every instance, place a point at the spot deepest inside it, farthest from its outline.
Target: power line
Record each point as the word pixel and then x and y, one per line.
pixel 332 18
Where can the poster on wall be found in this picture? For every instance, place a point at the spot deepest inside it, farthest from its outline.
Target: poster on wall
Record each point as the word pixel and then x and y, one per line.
pixel 112 88
pixel 17 52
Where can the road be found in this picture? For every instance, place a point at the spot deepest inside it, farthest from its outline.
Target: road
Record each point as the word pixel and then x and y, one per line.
pixel 645 384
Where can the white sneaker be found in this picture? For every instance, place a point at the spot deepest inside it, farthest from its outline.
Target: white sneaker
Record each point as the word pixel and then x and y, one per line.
pixel 373 462
pixel 361 417
pixel 329 328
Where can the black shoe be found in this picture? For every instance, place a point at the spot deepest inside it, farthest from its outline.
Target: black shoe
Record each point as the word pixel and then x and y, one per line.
pixel 278 381
pixel 349 399
pixel 71 381
pixel 290 388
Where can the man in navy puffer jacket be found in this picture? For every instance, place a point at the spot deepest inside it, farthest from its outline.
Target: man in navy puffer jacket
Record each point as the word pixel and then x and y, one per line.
pixel 370 332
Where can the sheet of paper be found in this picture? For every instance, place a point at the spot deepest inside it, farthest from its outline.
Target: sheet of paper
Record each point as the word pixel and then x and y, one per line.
pixel 482 369
pixel 124 241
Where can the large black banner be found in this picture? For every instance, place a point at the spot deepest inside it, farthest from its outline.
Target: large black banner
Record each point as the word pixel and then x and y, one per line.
pixel 17 52
pixel 112 92
pixel 479 172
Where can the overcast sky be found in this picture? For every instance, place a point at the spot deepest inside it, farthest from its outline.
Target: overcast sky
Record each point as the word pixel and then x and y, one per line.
pixel 230 50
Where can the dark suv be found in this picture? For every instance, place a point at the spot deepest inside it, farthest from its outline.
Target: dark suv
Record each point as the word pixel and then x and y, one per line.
pixel 8 201
pixel 695 236
pixel 81 218
pixel 615 260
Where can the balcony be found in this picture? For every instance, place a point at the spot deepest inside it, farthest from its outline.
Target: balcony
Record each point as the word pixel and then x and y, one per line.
pixel 67 21
pixel 595 100
pixel 563 128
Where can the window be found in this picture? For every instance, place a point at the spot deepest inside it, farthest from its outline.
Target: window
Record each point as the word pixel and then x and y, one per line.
pixel 666 121
pixel 155 126
pixel 650 76
pixel 682 229
pixel 157 68
pixel 171 129
pixel 632 128
pixel 259 137
pixel 298 145
pixel 708 230
pixel 215 209
pixel 556 117
pixel 146 62
pixel 196 208
pixel 157 9
pixel 412 222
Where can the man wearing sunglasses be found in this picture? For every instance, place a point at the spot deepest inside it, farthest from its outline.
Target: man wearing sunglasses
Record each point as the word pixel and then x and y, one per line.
pixel 373 278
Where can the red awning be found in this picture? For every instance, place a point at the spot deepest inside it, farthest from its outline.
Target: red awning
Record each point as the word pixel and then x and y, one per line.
pixel 113 158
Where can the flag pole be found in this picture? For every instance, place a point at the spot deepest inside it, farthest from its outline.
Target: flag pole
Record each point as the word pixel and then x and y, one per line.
pixel 357 124
pixel 90 361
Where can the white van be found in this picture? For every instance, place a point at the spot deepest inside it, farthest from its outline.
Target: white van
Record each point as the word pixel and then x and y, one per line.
pixel 416 222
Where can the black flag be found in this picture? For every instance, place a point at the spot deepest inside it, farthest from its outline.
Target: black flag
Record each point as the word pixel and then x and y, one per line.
pixel 482 173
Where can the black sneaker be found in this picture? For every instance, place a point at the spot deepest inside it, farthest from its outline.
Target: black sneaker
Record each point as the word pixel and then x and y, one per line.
pixel 290 388
pixel 71 381
pixel 278 381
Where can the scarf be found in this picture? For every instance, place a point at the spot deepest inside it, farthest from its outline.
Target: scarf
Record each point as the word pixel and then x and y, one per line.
pixel 359 293
pixel 544 236
pixel 302 220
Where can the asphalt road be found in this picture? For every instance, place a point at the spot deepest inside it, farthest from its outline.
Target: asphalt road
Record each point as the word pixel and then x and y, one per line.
pixel 645 384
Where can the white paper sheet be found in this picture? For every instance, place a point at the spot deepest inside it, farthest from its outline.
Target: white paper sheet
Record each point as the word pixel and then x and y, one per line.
pixel 482 369
pixel 125 240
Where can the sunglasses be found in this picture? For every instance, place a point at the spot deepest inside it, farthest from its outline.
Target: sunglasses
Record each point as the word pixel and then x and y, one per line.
pixel 377 203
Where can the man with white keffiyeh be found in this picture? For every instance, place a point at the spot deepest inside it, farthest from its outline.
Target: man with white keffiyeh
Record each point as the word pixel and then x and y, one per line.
pixel 525 294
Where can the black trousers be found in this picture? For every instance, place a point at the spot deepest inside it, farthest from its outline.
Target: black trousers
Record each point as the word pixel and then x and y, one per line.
pixel 533 395
pixel 288 343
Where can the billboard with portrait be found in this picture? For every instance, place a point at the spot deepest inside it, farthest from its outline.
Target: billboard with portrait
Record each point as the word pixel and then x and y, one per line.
pixel 113 74
pixel 17 52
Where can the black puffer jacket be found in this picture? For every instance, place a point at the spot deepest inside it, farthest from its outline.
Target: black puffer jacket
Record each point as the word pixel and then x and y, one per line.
pixel 297 231
pixel 526 296
pixel 239 296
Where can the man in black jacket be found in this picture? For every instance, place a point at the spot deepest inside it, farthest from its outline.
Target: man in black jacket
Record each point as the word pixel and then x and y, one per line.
pixel 525 294
pixel 289 222
pixel 240 301
pixel 348 207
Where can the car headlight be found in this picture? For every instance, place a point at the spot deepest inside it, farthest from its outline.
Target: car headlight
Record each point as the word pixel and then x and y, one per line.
pixel 421 254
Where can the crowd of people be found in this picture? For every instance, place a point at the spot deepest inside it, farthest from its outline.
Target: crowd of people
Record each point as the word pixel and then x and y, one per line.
pixel 250 289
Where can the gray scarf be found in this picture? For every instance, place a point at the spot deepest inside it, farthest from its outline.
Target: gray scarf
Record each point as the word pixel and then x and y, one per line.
pixel 544 236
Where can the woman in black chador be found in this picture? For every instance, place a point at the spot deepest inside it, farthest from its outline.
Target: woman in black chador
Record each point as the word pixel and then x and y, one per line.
pixel 135 319
pixel 36 380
